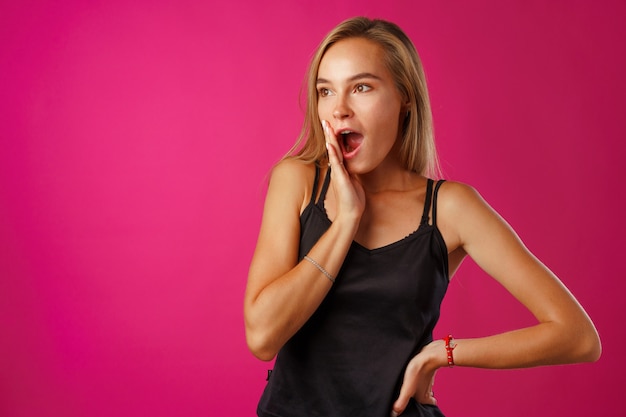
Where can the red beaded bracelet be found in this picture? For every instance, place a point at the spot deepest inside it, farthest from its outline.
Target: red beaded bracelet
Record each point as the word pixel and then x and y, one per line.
pixel 450 345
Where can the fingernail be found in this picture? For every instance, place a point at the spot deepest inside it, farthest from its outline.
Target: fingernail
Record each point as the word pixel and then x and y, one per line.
pixel 394 414
pixel 324 126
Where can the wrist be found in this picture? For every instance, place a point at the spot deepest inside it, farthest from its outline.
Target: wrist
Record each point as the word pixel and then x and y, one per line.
pixel 436 355
pixel 449 345
pixel 348 224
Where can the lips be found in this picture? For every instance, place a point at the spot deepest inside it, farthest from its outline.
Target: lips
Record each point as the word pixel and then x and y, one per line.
pixel 350 142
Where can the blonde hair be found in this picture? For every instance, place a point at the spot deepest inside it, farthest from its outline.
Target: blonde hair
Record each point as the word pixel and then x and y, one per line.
pixel 418 152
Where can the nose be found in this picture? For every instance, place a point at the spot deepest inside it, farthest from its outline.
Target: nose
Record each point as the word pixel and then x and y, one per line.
pixel 342 109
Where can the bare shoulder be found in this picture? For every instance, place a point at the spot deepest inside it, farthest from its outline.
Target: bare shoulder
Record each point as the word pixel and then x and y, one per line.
pixel 292 168
pixel 462 210
pixel 292 180
pixel 454 196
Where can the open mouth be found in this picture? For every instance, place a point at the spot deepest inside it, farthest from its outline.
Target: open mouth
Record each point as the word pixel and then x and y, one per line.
pixel 350 142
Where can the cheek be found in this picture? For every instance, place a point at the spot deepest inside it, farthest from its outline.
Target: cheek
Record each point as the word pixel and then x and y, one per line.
pixel 323 109
pixel 388 117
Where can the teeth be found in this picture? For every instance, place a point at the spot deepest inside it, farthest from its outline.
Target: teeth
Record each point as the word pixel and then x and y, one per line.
pixel 346 132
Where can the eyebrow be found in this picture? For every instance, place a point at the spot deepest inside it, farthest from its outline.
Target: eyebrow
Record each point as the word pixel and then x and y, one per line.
pixel 355 77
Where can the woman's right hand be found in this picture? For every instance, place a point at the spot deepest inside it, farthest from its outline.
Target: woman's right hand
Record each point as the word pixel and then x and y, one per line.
pixel 348 191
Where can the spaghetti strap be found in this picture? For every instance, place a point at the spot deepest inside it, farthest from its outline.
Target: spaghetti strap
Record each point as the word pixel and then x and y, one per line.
pixel 314 192
pixel 324 187
pixel 435 201
pixel 429 191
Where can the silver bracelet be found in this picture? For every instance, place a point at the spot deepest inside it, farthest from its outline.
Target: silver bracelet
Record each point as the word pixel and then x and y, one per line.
pixel 322 270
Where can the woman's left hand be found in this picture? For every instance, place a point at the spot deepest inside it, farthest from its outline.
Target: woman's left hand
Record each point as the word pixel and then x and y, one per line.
pixel 419 378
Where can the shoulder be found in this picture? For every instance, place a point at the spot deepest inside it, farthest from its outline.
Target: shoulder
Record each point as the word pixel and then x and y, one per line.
pixel 462 212
pixel 292 179
pixel 454 195
pixel 291 167
pixel 292 172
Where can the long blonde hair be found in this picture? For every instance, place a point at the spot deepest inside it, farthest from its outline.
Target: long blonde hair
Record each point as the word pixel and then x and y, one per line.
pixel 418 150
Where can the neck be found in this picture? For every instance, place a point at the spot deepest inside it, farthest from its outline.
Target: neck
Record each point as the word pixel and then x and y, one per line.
pixel 392 178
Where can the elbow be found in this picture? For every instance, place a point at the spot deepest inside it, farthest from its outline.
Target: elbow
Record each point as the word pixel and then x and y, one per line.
pixel 262 353
pixel 588 345
pixel 595 354
pixel 593 348
pixel 260 345
pixel 260 338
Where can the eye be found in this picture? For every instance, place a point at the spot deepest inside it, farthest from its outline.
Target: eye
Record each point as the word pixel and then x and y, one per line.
pixel 362 88
pixel 323 92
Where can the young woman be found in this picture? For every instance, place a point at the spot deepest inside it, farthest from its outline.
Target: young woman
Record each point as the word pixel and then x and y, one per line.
pixel 357 246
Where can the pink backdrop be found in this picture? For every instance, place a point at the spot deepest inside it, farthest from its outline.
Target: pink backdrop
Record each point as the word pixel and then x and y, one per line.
pixel 135 141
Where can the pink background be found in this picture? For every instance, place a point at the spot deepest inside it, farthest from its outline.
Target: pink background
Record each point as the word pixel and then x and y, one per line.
pixel 135 142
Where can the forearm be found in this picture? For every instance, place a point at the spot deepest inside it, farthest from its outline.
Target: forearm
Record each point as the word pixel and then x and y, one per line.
pixel 283 306
pixel 546 343
pixel 543 344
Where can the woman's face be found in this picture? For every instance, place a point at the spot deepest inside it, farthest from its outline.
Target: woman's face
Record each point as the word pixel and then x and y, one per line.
pixel 358 97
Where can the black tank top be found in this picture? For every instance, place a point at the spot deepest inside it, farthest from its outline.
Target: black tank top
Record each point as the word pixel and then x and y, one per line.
pixel 349 358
